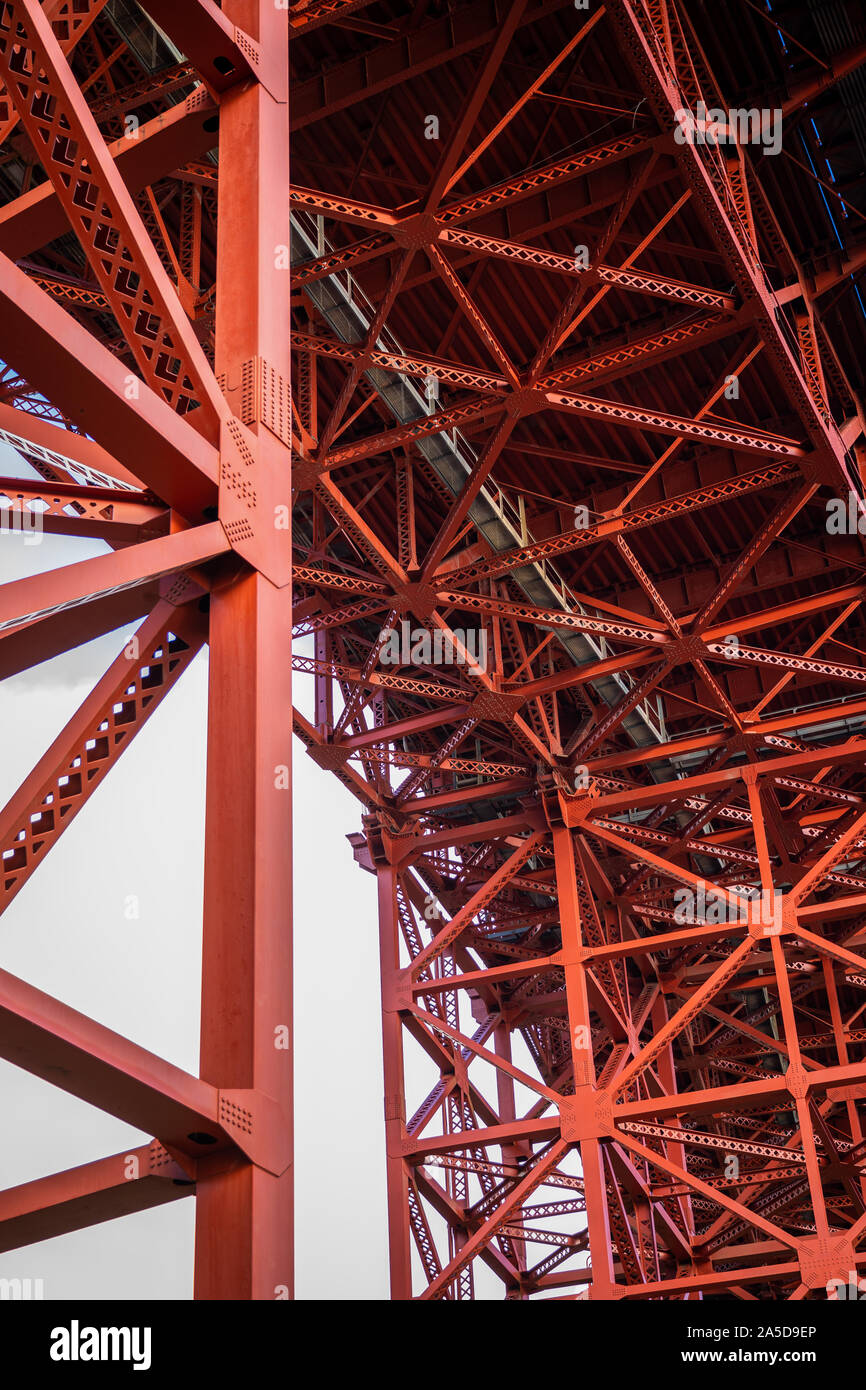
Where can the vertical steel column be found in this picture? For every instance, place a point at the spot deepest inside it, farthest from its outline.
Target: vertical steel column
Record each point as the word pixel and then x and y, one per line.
pixel 244 1233
pixel 580 1032
pixel 395 1103
pixel 512 1153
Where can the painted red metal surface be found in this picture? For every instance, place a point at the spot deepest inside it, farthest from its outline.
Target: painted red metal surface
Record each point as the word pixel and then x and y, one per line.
pixel 146 439
pixel 619 860
pixel 554 409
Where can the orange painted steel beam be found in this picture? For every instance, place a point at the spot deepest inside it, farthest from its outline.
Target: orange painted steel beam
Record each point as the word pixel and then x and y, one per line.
pixel 552 901
pixel 77 761
pixel 244 1217
pixel 612 790
pixel 168 141
pixel 61 1045
pixel 143 469
pixel 68 365
pixel 141 1178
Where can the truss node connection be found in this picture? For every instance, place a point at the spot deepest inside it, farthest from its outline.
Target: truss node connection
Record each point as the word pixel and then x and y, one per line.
pixel 521 421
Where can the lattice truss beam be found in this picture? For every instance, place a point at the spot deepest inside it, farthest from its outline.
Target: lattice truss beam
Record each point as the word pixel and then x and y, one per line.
pixel 569 400
pixel 567 403
pixel 142 290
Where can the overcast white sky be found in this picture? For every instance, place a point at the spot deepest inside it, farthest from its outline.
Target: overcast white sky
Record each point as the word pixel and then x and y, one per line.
pixel 66 932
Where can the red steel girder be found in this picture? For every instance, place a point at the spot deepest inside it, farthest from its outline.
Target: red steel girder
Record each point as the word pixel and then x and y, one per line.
pixel 584 999
pixel 101 212
pixel 193 584
pixel 661 705
pixel 169 140
pixel 141 1178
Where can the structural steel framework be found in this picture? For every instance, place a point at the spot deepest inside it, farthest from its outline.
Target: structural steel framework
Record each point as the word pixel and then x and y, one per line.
pixel 571 465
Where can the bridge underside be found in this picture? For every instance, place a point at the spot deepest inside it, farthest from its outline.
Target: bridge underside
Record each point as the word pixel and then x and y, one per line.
pixel 568 301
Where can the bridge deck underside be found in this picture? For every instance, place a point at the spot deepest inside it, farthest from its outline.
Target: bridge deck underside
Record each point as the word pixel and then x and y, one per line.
pixel 569 387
